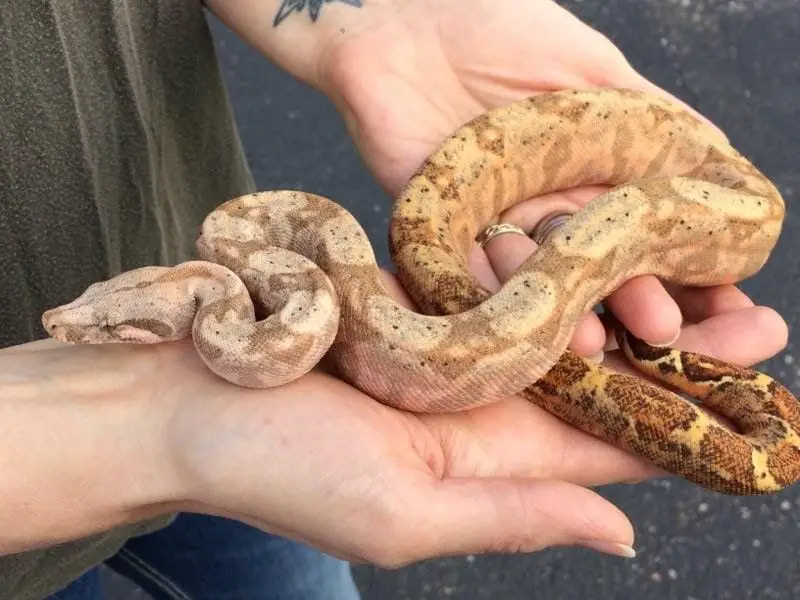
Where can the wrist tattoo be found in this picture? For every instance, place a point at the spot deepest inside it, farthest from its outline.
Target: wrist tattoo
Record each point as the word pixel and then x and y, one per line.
pixel 314 8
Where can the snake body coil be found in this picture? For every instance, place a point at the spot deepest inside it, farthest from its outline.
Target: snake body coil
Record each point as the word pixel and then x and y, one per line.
pixel 684 206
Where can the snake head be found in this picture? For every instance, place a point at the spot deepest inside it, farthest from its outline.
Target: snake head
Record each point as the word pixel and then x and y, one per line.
pixel 112 311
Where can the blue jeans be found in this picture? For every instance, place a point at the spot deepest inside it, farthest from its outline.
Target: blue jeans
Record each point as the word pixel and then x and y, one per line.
pixel 199 557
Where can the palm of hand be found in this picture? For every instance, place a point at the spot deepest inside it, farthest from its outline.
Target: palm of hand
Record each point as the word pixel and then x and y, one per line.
pixel 422 86
pixel 411 76
pixel 320 462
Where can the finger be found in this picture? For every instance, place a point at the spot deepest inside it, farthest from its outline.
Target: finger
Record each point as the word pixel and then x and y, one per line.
pixel 590 332
pixel 534 443
pixel 503 255
pixel 479 515
pixel 641 304
pixel 699 304
pixel 563 452
pixel 397 291
pixel 528 213
pixel 647 310
pixel 506 253
pixel 744 337
pixel 468 516
pixel 623 74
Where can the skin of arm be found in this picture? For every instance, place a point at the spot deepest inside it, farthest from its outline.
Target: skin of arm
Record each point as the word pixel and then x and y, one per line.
pixel 297 35
pixel 85 444
pixel 81 451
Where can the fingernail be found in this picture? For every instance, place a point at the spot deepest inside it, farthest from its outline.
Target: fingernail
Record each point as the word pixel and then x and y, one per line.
pixel 599 357
pixel 665 344
pixel 605 547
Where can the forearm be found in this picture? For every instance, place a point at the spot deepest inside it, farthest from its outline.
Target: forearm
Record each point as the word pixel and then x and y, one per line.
pixel 79 452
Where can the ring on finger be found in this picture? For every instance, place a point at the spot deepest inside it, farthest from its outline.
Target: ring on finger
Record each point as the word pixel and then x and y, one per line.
pixel 547 225
pixel 495 230
pixel 543 229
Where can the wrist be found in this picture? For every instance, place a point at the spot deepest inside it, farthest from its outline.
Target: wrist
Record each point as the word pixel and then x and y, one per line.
pixel 297 36
pixel 84 443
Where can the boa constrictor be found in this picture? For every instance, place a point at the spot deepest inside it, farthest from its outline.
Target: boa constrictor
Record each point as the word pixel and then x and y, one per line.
pixel 286 276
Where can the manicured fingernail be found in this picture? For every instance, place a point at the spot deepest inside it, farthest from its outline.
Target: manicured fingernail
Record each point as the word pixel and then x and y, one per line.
pixel 598 358
pixel 605 547
pixel 665 344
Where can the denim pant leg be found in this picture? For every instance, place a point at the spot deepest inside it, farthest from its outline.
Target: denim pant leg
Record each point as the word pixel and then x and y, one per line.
pixel 199 557
pixel 86 587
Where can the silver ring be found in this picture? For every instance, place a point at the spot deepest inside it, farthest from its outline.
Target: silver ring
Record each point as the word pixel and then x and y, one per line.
pixel 548 225
pixel 497 229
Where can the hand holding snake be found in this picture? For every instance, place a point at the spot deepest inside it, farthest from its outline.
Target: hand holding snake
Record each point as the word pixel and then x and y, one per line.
pixel 685 207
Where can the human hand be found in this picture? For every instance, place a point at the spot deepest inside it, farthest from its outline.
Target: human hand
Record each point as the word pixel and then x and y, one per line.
pixel 711 318
pixel 409 75
pixel 406 74
pixel 132 432
pixel 319 462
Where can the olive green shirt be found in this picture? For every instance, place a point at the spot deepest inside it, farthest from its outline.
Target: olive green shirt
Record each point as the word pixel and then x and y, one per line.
pixel 116 138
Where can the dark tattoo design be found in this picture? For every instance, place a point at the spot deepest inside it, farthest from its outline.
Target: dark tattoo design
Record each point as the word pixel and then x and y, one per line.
pixel 314 8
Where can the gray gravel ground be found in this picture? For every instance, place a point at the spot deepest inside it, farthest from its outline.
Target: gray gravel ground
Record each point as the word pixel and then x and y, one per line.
pixel 737 62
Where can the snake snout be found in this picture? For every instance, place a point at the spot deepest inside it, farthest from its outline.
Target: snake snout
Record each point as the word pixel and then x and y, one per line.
pixel 49 322
pixel 59 328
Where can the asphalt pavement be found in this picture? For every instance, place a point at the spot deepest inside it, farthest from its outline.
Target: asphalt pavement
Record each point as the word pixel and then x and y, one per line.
pixel 737 62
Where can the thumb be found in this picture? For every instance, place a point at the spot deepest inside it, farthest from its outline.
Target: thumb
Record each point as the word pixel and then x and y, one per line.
pixel 631 78
pixel 479 515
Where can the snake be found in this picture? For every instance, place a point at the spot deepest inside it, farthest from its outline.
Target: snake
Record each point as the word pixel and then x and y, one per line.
pixel 285 278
